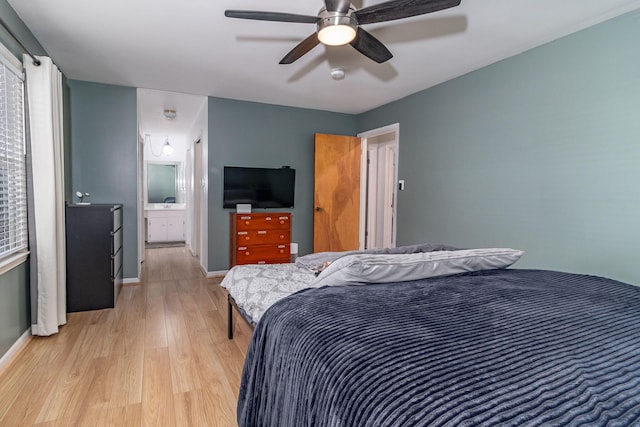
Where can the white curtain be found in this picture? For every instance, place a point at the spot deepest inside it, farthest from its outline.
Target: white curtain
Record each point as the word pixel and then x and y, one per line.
pixel 46 202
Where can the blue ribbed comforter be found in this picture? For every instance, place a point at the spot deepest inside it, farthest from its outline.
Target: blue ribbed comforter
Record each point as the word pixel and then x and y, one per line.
pixel 501 347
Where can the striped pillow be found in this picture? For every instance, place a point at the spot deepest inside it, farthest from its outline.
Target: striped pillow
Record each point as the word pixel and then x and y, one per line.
pixel 388 268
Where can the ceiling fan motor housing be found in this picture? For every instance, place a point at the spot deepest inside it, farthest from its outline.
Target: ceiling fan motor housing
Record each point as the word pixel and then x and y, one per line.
pixel 340 24
pixel 328 19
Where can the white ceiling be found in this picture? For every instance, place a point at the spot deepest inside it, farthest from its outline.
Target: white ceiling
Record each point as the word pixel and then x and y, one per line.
pixel 190 47
pixel 151 106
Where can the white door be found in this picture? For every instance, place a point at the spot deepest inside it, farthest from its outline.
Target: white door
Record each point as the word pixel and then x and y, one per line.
pixel 380 194
pixel 379 187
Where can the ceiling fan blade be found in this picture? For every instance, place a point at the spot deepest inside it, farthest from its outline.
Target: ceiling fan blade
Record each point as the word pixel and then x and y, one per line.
pixel 371 47
pixel 398 9
pixel 270 16
pixel 301 48
pixel 341 6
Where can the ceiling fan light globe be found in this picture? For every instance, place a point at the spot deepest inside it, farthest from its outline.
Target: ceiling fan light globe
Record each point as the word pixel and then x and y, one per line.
pixel 336 29
pixel 336 35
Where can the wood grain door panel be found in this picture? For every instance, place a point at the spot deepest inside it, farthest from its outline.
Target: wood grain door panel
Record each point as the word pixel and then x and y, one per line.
pixel 336 215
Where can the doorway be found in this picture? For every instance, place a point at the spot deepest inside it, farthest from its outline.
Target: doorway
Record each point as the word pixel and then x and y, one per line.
pixel 378 189
pixel 355 190
pixel 173 132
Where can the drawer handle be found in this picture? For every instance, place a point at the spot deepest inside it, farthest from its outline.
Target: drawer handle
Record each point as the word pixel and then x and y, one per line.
pixel 247 238
pixel 245 217
pixel 284 218
pixel 242 248
pixel 281 251
pixel 268 218
pixel 281 222
pixel 247 253
pixel 282 236
pixel 262 232
pixel 246 222
pixel 261 262
pixel 242 233
pixel 280 246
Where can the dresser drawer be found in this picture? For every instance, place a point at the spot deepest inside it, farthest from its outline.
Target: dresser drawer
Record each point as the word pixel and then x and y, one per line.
pixel 262 221
pixel 116 264
pixel 262 254
pixel 116 241
pixel 260 237
pixel 117 218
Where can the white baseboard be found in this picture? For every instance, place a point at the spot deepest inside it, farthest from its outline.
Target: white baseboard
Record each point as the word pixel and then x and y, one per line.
pixel 15 348
pixel 131 281
pixel 218 273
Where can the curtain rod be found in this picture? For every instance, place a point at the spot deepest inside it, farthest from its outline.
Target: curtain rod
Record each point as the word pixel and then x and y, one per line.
pixel 36 62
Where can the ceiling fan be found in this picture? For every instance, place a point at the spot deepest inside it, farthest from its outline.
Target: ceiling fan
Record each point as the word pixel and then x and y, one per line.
pixel 338 23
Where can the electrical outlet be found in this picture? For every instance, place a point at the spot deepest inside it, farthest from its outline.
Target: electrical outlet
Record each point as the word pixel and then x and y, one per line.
pixel 401 185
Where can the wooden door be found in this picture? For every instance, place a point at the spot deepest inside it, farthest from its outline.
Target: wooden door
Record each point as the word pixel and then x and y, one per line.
pixel 336 217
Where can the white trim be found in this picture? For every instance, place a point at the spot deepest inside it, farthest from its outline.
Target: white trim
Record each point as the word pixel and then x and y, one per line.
pixel 392 128
pixel 381 131
pixel 364 147
pixel 12 261
pixel 390 194
pixel 131 280
pixel 217 273
pixel 15 349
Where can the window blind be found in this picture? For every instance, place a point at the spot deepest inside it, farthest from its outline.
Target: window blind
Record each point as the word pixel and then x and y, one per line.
pixel 13 187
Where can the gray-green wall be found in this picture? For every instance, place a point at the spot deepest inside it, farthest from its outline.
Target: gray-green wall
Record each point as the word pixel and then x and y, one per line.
pixel 539 152
pixel 15 317
pixel 261 135
pixel 104 154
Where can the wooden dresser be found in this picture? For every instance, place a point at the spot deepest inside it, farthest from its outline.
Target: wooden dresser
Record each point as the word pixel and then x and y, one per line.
pixel 260 238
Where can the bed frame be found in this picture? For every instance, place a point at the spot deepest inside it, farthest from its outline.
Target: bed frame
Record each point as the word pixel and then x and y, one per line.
pixel 231 304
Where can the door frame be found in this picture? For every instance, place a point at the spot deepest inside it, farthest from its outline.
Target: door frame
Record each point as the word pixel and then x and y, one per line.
pixel 395 130
pixel 196 176
pixel 140 205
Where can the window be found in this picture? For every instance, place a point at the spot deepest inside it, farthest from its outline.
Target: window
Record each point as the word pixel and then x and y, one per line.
pixel 13 187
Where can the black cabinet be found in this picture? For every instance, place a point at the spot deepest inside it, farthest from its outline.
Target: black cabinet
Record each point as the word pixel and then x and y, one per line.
pixel 94 256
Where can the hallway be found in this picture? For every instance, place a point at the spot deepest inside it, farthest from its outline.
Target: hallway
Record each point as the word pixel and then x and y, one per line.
pixel 161 357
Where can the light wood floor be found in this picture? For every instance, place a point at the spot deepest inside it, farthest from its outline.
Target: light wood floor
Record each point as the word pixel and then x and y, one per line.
pixel 160 358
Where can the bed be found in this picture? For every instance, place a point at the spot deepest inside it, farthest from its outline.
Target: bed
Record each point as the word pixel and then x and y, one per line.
pixel 253 288
pixel 488 346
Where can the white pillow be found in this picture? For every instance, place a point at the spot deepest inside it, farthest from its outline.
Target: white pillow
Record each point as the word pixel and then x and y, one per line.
pixel 386 268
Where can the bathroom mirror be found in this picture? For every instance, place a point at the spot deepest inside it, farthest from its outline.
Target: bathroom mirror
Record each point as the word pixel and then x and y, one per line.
pixel 162 181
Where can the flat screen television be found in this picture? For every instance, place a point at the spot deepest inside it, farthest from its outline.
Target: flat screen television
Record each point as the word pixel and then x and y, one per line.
pixel 261 187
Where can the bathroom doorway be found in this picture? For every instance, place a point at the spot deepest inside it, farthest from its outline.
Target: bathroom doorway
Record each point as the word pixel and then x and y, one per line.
pixel 173 130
